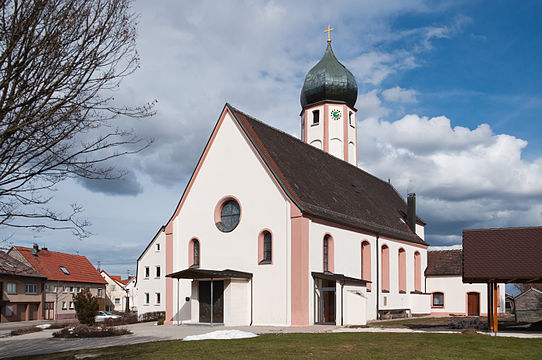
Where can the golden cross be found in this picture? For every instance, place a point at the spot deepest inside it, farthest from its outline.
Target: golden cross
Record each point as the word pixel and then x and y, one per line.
pixel 329 33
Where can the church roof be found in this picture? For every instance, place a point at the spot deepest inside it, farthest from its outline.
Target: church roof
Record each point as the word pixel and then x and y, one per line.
pixel 443 262
pixel 329 80
pixel 326 187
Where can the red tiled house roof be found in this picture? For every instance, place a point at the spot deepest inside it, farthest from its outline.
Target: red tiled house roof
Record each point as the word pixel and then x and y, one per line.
pixel 502 255
pixel 13 267
pixel 326 187
pixel 443 262
pixel 48 263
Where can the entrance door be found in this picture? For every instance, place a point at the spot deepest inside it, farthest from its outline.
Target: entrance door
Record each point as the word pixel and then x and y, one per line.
pixel 49 311
pixel 205 302
pixel 473 303
pixel 325 296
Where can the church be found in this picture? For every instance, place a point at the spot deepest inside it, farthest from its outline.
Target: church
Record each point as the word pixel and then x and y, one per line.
pixel 276 230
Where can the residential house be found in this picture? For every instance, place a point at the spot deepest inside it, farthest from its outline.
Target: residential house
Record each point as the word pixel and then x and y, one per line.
pixel 66 275
pixel 116 293
pixel 21 291
pixel 150 284
pixel 529 305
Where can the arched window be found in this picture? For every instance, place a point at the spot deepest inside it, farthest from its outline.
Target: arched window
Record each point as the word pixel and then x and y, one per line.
pixel 194 253
pixel 366 262
pixel 402 270
pixel 328 253
pixel 417 271
pixel 265 248
pixel 385 256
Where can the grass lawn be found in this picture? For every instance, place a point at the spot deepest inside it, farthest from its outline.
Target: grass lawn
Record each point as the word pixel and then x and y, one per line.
pixel 328 346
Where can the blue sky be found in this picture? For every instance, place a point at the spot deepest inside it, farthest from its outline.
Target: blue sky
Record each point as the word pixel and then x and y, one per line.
pixel 449 107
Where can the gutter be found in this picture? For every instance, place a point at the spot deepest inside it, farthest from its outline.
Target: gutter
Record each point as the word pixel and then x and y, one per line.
pixel 377 279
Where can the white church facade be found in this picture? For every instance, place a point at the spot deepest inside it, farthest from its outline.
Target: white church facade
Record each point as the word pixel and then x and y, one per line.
pixel 273 230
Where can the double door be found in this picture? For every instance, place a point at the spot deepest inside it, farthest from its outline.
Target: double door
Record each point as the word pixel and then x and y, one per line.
pixel 211 311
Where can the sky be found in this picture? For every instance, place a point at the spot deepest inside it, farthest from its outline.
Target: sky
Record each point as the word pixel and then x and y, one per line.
pixel 449 107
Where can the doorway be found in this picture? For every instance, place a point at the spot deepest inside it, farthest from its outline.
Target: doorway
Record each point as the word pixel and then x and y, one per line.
pixel 49 311
pixel 325 301
pixel 211 312
pixel 473 304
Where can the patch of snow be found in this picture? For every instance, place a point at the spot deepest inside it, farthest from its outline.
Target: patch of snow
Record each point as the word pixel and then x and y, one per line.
pixel 221 335
pixel 43 326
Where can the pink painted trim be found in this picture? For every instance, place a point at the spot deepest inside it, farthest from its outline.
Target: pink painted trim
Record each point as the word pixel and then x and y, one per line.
pixel 300 271
pixel 346 124
pixel 385 250
pixel 417 271
pixel 326 128
pixel 218 209
pixel 366 258
pixel 402 269
pixel 261 247
pixel 169 270
pixel 432 302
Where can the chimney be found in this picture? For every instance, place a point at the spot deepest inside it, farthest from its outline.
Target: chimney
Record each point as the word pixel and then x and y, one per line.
pixel 35 249
pixel 411 211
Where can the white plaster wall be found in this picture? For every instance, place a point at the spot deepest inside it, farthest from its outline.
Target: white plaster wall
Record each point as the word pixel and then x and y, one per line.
pixel 236 302
pixel 455 294
pixel 336 131
pixel 351 136
pixel 354 302
pixel 152 285
pixel 232 168
pixel 315 132
pixel 420 231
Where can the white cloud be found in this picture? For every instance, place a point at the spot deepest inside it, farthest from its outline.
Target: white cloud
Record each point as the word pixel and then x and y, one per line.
pixel 400 95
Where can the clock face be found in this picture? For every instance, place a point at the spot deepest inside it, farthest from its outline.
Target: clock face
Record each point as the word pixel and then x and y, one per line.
pixel 336 114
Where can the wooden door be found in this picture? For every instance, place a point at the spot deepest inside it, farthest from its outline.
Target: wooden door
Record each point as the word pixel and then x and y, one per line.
pixel 204 292
pixel 473 303
pixel 49 311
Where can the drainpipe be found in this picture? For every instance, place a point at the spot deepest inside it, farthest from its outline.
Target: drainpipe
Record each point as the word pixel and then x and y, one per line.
pixel 342 303
pixel 377 279
pixel 212 310
pixel 178 304
pixel 251 301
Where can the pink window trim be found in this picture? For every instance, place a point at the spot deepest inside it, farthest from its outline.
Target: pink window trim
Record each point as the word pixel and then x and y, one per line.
pixel 330 253
pixel 385 268
pixel 221 202
pixel 261 247
pixel 402 270
pixel 366 265
pixel 417 271
pixel 191 252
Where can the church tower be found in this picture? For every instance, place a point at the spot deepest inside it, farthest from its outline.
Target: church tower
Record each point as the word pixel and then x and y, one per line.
pixel 328 118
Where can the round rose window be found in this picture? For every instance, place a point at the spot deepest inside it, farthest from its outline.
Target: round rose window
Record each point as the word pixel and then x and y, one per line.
pixel 230 213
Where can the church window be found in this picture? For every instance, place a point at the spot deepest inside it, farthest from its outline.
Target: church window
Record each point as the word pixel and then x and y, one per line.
pixel 194 253
pixel 402 270
pixel 230 213
pixel 385 261
pixel 328 253
pixel 417 271
pixel 438 299
pixel 315 117
pixel 265 248
pixel 366 262
pixel 351 119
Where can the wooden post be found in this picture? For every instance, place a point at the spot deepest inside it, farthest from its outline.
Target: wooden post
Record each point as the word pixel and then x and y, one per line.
pixel 495 305
pixel 489 306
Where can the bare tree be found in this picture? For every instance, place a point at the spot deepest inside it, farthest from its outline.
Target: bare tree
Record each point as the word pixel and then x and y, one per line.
pixel 60 62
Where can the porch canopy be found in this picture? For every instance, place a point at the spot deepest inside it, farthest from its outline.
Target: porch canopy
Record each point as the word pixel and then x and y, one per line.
pixel 341 278
pixel 505 255
pixel 209 274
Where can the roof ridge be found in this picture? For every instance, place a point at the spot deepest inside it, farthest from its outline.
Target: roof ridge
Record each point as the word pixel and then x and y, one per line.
pixel 50 251
pixel 507 228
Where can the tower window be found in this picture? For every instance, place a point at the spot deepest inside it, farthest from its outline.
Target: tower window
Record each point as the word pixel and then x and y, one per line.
pixel 351 119
pixel 316 117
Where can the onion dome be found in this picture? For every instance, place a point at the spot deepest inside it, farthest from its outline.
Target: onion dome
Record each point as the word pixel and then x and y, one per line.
pixel 329 80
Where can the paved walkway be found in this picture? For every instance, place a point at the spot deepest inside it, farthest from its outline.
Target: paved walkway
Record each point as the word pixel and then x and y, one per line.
pixel 43 342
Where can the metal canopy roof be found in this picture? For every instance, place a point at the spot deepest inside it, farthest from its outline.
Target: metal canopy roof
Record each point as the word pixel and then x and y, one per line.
pixel 339 277
pixel 206 274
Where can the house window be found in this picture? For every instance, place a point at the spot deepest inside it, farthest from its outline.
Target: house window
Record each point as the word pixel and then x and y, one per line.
pixel 157 247
pixel 438 299
pixel 71 305
pixel 265 248
pixel 366 262
pixel 100 292
pixel 64 289
pixel 315 117
pixel 78 289
pixel 402 270
pixel 147 298
pixel 72 289
pixel 64 270
pixel 9 310
pixel 117 301
pixel 113 287
pixel 12 288
pixel 31 288
pixel 158 272
pixel 230 213
pixel 328 253
pixel 385 256
pixel 157 298
pixel 417 272
pixel 194 253
pixel 64 305
pixel 147 272
pixel 50 288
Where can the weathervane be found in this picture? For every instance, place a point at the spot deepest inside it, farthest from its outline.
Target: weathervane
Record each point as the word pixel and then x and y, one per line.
pixel 329 29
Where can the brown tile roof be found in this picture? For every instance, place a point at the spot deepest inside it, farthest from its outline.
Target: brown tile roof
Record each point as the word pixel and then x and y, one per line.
pixel 503 255
pixel 326 187
pixel 443 262
pixel 11 266
pixel 48 263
